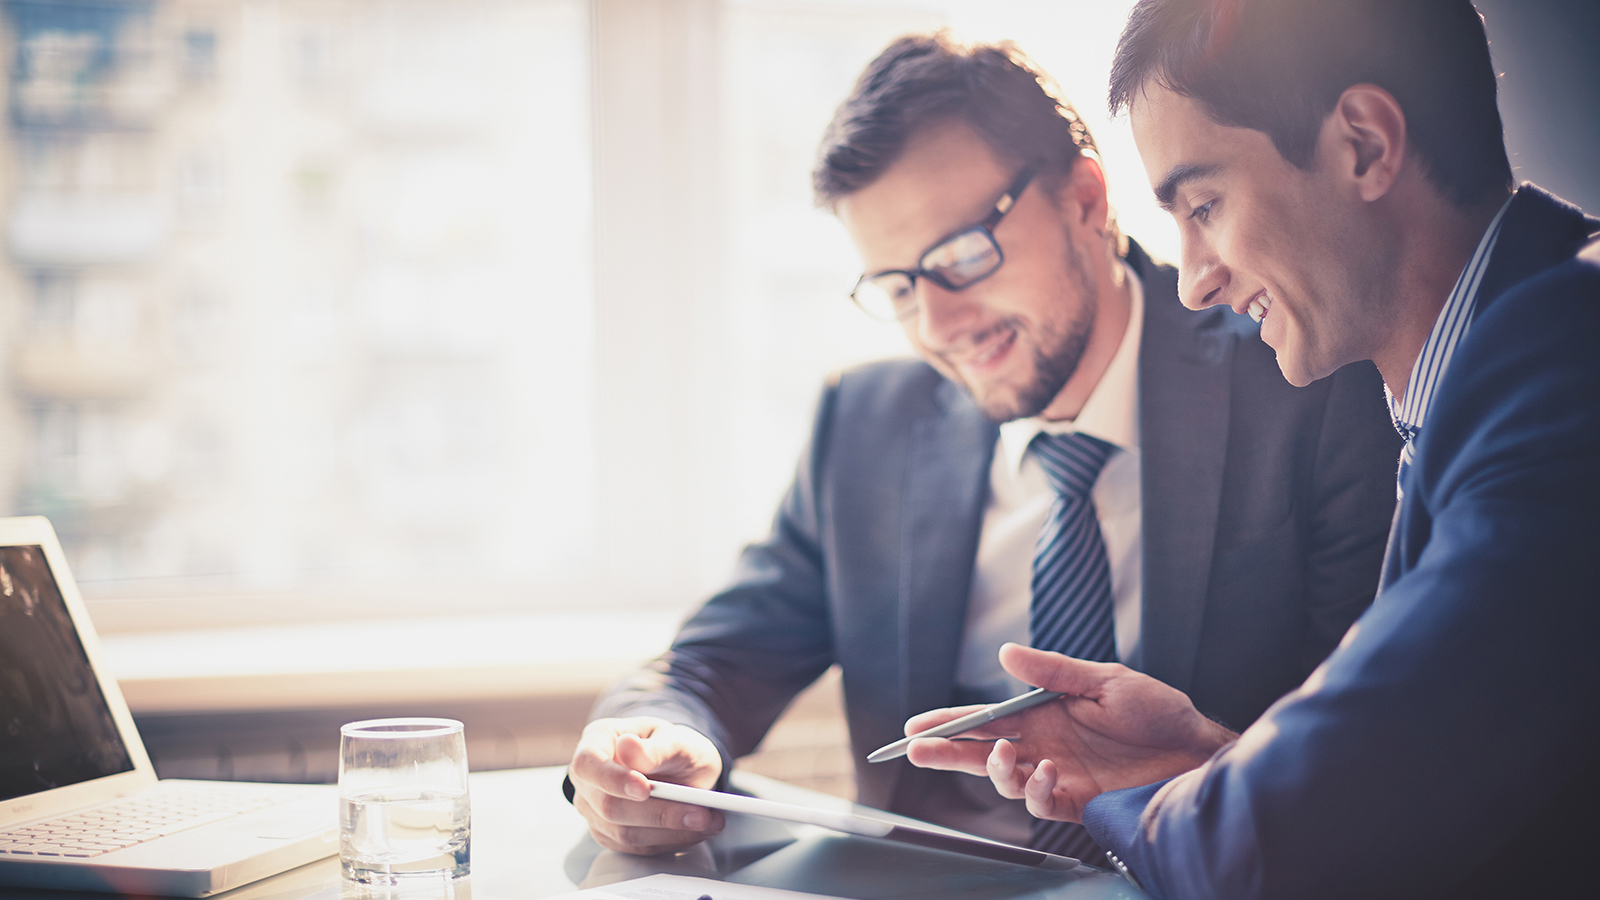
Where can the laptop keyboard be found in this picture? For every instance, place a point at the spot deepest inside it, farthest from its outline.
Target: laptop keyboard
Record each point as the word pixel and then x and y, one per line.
pixel 132 820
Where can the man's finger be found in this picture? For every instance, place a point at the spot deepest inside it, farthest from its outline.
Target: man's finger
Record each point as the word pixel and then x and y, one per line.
pixel 1003 771
pixel 1039 789
pixel 1056 672
pixel 594 764
pixel 952 756
pixel 641 757
pixel 933 717
pixel 651 826
pixel 665 815
pixel 1045 796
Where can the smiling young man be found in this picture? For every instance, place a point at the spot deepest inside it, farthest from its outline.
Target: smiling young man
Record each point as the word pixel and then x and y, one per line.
pixel 1337 171
pixel 1218 529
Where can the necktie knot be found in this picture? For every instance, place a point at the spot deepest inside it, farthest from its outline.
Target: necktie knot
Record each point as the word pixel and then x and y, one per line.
pixel 1071 462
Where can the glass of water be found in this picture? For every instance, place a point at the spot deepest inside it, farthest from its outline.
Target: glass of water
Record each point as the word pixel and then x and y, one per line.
pixel 403 810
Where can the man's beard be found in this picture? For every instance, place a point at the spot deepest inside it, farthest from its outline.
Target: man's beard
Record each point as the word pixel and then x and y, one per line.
pixel 1057 351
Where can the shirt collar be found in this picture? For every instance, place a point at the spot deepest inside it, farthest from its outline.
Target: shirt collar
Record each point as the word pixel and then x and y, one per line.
pixel 1448 330
pixel 1111 411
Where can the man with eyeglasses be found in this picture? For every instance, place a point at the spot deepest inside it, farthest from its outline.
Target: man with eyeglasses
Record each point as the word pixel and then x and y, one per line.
pixel 1075 462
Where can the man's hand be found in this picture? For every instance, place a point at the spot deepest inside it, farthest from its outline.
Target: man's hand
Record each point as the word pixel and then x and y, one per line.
pixel 609 768
pixel 1116 729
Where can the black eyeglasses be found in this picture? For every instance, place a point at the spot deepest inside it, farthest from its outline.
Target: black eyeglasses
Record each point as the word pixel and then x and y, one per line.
pixel 955 262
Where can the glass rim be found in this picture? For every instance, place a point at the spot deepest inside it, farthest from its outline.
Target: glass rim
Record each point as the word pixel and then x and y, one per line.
pixel 401 728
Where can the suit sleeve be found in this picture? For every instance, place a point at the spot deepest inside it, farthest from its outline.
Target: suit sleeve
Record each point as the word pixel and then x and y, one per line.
pixel 1352 496
pixel 742 657
pixel 1461 712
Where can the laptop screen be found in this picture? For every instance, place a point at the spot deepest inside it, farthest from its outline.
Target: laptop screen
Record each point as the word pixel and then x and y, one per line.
pixel 55 727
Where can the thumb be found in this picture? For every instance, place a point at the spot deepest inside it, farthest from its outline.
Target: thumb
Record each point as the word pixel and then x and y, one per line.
pixel 1054 671
pixel 638 754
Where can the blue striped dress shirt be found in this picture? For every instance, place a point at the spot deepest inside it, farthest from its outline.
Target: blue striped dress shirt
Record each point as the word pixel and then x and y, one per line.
pixel 1448 330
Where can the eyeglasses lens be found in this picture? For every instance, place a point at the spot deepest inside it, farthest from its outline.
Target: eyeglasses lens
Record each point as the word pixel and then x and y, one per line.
pixel 963 259
pixel 888 297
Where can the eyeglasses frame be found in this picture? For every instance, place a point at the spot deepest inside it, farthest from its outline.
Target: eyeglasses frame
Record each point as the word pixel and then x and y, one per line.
pixel 1006 202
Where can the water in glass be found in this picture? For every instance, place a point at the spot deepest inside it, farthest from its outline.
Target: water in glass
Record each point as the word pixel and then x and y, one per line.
pixel 404 814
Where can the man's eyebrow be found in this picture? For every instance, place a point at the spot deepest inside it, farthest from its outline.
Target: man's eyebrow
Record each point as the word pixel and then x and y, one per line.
pixel 1176 176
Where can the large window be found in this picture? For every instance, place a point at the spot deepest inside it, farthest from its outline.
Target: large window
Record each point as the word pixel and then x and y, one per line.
pixel 316 309
pixel 301 292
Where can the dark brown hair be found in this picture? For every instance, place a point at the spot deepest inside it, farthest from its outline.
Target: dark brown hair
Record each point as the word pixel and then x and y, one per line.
pixel 922 79
pixel 1279 66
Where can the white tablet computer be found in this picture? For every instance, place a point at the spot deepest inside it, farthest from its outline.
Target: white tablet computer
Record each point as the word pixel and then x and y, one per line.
pixel 864 826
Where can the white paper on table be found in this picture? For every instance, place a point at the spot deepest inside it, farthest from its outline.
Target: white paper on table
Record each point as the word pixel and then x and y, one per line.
pixel 685 887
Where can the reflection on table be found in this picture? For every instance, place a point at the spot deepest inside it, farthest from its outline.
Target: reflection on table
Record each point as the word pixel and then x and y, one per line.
pixel 529 843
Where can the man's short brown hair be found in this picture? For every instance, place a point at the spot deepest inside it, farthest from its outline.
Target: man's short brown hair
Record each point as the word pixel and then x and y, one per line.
pixel 919 80
pixel 1279 66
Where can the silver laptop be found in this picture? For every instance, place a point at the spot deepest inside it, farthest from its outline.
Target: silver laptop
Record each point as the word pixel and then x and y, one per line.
pixel 80 804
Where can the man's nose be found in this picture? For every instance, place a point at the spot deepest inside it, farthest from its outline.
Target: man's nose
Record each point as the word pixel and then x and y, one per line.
pixel 1202 278
pixel 943 315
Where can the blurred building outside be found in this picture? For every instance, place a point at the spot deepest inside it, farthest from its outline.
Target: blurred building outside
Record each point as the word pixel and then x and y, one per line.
pixel 298 294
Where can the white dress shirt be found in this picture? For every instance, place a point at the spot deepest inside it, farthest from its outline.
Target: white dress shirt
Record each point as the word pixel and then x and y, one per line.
pixel 1019 501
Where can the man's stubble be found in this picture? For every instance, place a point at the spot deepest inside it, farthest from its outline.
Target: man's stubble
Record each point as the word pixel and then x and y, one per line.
pixel 1058 348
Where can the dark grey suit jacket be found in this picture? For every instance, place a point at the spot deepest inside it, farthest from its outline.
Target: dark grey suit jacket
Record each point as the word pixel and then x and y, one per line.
pixel 1265 509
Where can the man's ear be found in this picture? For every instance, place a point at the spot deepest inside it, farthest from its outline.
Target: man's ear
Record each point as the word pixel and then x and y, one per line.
pixel 1081 196
pixel 1366 135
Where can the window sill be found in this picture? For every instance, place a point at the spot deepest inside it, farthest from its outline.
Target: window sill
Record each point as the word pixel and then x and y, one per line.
pixel 381 662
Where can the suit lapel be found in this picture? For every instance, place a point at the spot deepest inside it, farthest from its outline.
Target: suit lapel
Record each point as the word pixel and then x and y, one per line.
pixel 1184 366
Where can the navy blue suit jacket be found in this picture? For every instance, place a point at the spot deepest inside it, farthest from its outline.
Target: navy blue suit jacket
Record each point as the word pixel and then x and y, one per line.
pixel 1449 747
pixel 1264 514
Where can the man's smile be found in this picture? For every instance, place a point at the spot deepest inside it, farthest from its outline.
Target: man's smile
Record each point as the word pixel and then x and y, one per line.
pixel 987 350
pixel 1258 306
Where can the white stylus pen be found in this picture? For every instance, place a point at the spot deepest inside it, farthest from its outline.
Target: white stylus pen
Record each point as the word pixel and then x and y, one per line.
pixel 967 723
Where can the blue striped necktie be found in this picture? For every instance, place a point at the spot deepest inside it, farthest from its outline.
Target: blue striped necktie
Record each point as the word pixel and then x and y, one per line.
pixel 1072 608
pixel 1071 611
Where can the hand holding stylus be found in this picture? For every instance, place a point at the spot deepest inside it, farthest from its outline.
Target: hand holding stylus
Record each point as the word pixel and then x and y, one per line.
pixel 1116 728
pixel 966 723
